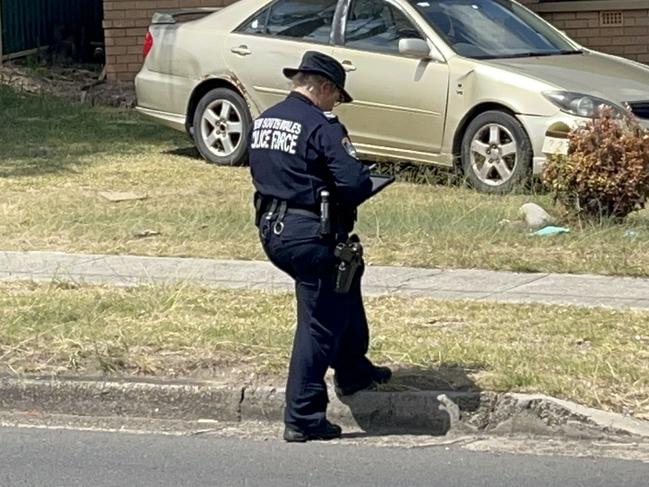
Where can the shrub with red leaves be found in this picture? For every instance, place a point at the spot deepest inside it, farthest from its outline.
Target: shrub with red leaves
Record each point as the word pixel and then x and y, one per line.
pixel 606 171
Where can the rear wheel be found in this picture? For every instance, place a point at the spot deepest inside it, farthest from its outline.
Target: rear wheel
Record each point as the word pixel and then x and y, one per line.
pixel 221 125
pixel 496 153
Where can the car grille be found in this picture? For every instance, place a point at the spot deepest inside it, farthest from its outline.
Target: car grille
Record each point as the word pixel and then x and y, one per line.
pixel 640 109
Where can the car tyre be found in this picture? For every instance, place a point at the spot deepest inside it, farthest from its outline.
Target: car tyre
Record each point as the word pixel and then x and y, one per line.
pixel 496 153
pixel 221 124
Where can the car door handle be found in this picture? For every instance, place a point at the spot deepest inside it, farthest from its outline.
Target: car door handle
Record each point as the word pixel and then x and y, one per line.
pixel 348 66
pixel 241 50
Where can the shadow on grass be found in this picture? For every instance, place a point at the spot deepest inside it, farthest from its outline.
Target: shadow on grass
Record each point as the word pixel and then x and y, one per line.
pixel 427 174
pixel 416 401
pixel 419 173
pixel 409 172
pixel 30 164
pixel 187 152
pixel 43 135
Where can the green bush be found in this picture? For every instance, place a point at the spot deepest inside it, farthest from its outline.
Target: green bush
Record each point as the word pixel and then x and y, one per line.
pixel 606 171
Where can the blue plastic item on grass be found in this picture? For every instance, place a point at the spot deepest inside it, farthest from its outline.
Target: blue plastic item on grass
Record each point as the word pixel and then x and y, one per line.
pixel 551 230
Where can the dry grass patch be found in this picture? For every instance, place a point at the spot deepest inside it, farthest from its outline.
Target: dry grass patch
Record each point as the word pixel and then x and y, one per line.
pixel 597 357
pixel 57 157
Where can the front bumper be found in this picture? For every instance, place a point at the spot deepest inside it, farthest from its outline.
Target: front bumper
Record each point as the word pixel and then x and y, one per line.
pixel 548 135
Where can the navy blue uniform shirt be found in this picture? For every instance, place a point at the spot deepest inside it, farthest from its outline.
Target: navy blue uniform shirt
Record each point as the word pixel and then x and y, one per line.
pixel 296 150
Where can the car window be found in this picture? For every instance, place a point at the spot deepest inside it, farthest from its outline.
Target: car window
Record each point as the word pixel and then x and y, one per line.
pixel 302 19
pixel 257 24
pixel 375 25
pixel 491 28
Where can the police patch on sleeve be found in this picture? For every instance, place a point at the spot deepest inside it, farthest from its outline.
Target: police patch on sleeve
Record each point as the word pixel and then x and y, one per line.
pixel 349 147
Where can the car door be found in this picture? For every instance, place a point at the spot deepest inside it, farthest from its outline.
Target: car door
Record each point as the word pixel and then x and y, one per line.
pixel 275 38
pixel 399 102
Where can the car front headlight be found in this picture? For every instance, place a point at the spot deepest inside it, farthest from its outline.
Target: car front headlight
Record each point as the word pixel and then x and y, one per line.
pixel 581 105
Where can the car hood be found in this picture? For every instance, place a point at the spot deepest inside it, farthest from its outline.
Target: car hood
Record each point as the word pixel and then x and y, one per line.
pixel 590 73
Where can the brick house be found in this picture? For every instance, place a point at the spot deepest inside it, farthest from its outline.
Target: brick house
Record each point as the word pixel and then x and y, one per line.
pixel 618 27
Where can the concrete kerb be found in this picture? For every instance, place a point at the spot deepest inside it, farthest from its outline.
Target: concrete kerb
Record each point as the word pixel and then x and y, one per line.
pixel 431 412
pixel 376 412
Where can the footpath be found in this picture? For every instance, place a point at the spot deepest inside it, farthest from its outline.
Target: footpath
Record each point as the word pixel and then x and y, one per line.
pixel 474 284
pixel 376 412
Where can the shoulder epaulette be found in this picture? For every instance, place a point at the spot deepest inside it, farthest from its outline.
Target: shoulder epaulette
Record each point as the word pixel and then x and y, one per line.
pixel 331 116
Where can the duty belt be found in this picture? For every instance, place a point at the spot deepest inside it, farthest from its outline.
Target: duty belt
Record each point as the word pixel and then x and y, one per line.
pixel 268 208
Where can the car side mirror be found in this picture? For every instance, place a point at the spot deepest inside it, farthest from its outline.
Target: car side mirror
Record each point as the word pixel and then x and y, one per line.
pixel 412 47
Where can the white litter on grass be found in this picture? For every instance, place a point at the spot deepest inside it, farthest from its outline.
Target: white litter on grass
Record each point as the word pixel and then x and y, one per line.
pixel 535 216
pixel 116 196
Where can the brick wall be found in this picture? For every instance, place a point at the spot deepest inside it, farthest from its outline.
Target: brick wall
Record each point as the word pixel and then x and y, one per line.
pixel 630 40
pixel 125 25
pixel 126 22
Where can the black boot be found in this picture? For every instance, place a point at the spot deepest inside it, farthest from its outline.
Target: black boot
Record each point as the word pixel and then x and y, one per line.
pixel 379 375
pixel 328 431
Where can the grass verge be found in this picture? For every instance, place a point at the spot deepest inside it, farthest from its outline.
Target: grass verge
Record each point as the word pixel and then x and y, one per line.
pixel 56 158
pixel 596 357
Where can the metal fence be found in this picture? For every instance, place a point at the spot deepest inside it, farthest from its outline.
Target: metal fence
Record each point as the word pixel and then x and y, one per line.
pixel 28 25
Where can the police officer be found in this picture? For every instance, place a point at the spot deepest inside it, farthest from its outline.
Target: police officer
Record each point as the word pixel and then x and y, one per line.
pixel 299 153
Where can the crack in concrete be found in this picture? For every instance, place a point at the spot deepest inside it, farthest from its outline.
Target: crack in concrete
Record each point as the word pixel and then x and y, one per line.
pixel 404 283
pixel 242 398
pixel 510 289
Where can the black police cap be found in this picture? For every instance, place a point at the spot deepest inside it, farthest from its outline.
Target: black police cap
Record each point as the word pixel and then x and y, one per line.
pixel 318 63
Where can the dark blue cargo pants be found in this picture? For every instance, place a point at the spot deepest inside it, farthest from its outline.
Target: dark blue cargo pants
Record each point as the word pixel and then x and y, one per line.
pixel 331 329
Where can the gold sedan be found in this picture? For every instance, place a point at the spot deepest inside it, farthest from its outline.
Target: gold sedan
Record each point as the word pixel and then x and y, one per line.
pixel 484 86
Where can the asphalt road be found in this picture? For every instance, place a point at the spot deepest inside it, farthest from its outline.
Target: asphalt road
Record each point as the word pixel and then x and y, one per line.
pixel 46 457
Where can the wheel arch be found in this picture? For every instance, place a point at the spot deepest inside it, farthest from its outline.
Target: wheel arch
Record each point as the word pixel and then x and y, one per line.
pixel 464 124
pixel 228 82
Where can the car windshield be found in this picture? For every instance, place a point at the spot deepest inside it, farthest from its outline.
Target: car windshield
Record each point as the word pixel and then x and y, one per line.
pixel 489 29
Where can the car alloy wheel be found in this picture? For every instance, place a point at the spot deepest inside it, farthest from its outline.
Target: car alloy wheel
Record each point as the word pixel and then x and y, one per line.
pixel 222 128
pixel 221 125
pixel 496 153
pixel 493 154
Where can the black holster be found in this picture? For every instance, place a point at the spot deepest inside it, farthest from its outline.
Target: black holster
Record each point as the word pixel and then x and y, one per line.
pixel 350 256
pixel 258 201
